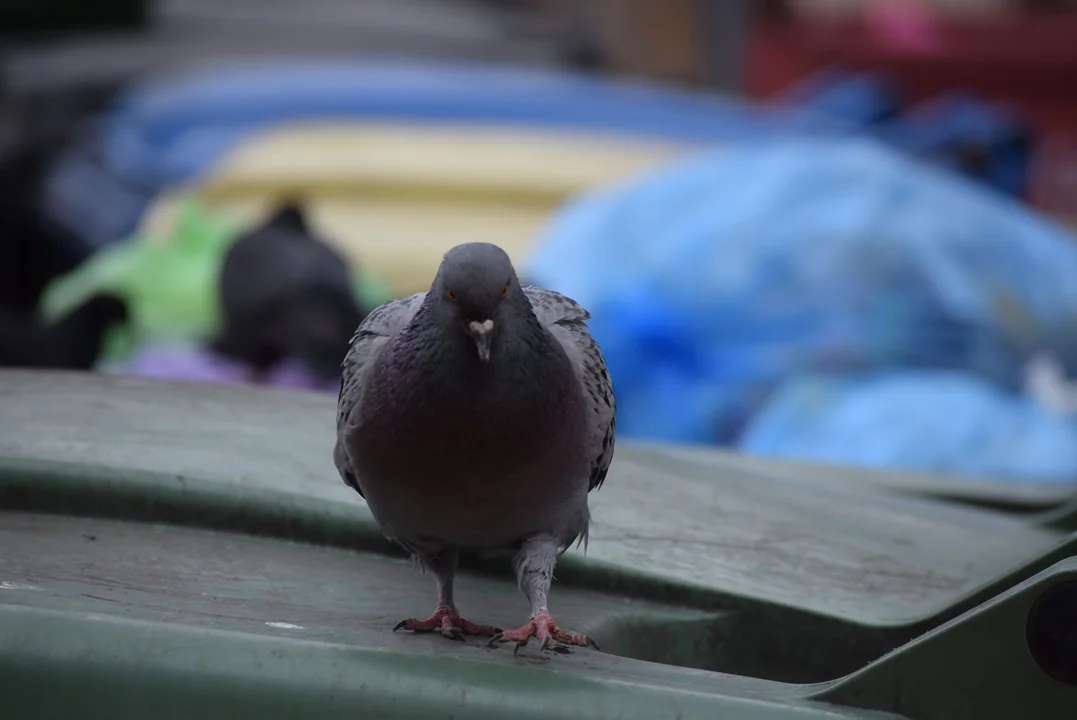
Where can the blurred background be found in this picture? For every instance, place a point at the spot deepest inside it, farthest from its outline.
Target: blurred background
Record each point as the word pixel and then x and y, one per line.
pixel 834 230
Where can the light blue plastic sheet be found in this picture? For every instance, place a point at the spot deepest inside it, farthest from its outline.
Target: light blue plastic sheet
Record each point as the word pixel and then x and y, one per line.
pixel 715 281
pixel 917 421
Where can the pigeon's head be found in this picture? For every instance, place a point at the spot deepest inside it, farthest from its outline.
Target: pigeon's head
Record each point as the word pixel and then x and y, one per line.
pixel 476 287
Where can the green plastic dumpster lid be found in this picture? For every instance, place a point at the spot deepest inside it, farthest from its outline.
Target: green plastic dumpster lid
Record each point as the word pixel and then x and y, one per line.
pixel 1017 498
pixel 192 547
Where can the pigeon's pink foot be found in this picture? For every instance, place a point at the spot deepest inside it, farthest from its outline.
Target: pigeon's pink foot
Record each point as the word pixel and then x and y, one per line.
pixel 545 630
pixel 448 620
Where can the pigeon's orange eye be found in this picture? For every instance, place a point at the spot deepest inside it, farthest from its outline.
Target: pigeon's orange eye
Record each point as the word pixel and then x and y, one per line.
pixel 451 295
pixel 505 292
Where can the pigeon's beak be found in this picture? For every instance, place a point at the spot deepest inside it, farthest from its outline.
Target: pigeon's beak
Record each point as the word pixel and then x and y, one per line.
pixel 481 333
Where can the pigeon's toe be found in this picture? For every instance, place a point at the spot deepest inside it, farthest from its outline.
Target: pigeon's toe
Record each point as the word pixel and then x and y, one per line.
pixel 449 622
pixel 546 631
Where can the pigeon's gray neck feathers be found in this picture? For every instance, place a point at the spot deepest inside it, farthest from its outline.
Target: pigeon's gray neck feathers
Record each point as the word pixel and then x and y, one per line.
pixel 433 356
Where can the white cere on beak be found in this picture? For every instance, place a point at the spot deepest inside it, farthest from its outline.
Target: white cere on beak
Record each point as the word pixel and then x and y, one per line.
pixel 481 328
pixel 480 332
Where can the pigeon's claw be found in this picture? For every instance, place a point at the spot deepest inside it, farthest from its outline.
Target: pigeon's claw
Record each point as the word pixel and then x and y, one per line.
pixel 448 621
pixel 545 630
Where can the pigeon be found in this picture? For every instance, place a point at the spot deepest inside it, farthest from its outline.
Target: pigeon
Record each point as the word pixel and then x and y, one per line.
pixel 478 415
pixel 286 294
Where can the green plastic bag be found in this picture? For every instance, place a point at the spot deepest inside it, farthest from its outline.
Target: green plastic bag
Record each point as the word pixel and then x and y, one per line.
pixel 170 284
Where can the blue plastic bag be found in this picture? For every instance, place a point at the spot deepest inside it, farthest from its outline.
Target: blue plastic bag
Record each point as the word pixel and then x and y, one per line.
pixel 714 281
pixel 961 132
pixel 863 99
pixel 917 421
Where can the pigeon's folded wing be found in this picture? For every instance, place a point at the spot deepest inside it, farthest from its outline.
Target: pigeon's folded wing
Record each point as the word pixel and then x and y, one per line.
pixel 567 321
pixel 369 340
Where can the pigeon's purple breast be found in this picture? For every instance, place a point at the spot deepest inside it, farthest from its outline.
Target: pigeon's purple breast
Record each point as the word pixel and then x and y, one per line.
pixel 478 457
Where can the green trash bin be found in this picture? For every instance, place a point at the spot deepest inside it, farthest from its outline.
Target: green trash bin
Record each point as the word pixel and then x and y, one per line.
pixel 186 550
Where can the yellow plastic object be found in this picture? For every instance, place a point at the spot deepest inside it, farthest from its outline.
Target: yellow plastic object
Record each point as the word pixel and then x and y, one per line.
pixel 394 198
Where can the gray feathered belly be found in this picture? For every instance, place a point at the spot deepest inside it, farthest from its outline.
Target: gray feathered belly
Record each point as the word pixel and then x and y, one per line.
pixel 445 481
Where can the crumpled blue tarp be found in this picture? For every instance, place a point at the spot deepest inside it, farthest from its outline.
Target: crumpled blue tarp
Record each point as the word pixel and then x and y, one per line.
pixel 714 281
pixel 927 420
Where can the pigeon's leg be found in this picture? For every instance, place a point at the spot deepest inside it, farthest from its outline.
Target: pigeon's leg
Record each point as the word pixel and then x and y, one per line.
pixel 534 569
pixel 445 617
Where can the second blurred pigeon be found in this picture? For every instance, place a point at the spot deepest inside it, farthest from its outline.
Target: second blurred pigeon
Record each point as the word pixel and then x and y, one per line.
pixel 285 294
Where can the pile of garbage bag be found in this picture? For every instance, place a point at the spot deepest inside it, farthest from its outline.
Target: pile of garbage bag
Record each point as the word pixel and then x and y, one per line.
pixel 720 283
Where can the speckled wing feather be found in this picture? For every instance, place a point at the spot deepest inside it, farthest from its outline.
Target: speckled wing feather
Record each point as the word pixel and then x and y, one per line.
pixel 567 320
pixel 369 340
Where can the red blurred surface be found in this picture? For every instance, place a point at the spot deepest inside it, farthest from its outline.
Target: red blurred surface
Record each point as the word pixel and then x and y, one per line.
pixel 1026 62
